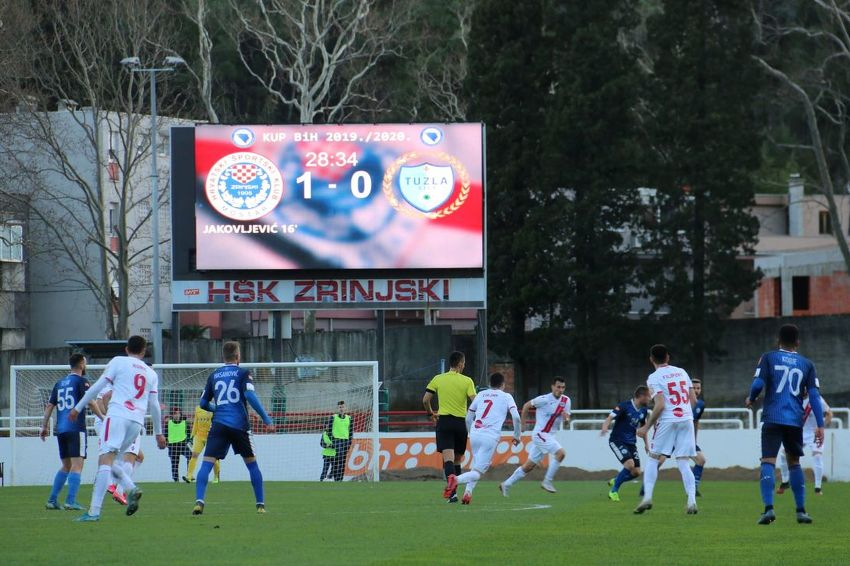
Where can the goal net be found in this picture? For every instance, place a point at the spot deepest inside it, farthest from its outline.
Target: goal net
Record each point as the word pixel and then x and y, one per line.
pixel 301 399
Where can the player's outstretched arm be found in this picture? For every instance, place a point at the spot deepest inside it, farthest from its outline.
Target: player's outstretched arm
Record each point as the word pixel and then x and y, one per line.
pixel 606 424
pixel 251 397
pixel 90 396
pixel 156 417
pixel 517 425
pixel 526 409
pixel 657 408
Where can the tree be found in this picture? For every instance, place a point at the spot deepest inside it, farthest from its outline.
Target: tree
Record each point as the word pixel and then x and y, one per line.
pixel 70 53
pixel 315 55
pixel 509 80
pixel 806 48
pixel 591 167
pixel 703 133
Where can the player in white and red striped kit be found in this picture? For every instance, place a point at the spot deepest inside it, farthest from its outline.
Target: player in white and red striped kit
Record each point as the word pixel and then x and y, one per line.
pixel 672 424
pixel 552 410
pixel 134 394
pixel 484 420
pixel 809 445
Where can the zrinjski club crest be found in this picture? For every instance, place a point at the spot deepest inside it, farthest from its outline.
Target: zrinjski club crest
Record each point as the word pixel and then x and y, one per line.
pixel 244 186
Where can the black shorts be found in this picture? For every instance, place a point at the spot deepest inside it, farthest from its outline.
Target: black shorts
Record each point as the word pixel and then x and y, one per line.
pixel 72 444
pixel 451 434
pixel 625 452
pixel 222 437
pixel 772 435
pixel 698 449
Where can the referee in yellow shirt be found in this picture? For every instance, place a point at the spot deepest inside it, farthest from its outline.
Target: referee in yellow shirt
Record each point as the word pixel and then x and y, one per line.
pixel 454 391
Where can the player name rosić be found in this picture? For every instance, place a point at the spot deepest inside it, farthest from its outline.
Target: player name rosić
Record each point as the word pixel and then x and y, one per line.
pixel 250 228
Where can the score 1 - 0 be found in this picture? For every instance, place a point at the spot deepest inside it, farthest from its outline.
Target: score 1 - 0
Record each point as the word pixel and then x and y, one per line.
pixel 361 184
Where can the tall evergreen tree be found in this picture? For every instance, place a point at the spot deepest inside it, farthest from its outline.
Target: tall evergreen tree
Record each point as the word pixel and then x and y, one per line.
pixel 704 134
pixel 592 167
pixel 509 80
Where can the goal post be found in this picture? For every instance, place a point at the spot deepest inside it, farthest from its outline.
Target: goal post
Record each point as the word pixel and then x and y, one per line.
pixel 300 397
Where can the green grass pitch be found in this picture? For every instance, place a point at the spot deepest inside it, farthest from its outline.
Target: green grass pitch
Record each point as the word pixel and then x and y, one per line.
pixel 409 522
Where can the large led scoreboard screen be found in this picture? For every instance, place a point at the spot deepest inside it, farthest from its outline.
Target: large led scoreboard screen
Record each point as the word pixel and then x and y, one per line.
pixel 339 197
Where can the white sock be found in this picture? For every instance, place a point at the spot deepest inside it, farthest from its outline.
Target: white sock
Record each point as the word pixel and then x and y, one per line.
pixel 470 476
pixel 123 478
pixel 101 482
pixel 515 477
pixel 650 474
pixel 554 464
pixel 782 464
pixel 818 458
pixel 470 486
pixel 688 480
pixel 129 468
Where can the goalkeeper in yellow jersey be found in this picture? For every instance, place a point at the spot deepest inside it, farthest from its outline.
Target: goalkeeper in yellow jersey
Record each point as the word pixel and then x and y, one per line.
pixel 200 430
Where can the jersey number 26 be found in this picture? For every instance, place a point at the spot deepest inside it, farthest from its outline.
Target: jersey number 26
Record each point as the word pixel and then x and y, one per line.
pixel 226 392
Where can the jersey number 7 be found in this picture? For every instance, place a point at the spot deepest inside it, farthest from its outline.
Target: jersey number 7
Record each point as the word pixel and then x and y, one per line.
pixel 676 397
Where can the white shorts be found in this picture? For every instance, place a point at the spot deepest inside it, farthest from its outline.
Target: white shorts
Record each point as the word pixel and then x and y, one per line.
pixel 674 439
pixel 809 445
pixel 118 435
pixel 483 447
pixel 542 443
pixel 132 449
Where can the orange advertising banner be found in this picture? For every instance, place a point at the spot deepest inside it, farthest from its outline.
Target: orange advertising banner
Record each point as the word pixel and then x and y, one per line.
pixel 408 451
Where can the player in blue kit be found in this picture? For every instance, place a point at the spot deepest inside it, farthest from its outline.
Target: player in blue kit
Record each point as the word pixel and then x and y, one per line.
pixel 699 408
pixel 786 377
pixel 227 393
pixel 627 417
pixel 71 436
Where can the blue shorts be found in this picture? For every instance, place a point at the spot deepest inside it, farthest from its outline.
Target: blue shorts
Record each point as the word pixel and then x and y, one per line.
pixel 625 452
pixel 72 444
pixel 222 437
pixel 774 435
pixel 699 449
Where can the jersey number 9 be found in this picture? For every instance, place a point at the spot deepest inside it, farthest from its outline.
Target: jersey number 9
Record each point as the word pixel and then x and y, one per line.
pixel 139 383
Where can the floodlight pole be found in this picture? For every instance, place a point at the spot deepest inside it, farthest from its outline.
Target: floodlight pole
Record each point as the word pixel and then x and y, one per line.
pixel 156 323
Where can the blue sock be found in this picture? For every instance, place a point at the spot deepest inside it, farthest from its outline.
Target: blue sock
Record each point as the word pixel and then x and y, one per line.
pixel 256 481
pixel 621 478
pixel 58 484
pixel 73 487
pixel 202 479
pixel 697 473
pixel 798 486
pixel 767 483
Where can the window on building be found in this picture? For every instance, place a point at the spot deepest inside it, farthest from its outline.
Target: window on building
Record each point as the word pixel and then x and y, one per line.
pixel 11 242
pixel 824 222
pixel 800 291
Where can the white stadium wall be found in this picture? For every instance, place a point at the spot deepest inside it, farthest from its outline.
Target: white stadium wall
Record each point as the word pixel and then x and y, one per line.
pixel 37 461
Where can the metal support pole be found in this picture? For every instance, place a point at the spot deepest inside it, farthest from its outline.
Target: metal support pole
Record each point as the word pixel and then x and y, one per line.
pixel 156 323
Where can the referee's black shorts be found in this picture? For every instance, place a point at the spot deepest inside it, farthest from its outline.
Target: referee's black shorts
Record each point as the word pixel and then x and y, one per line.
pixel 451 434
